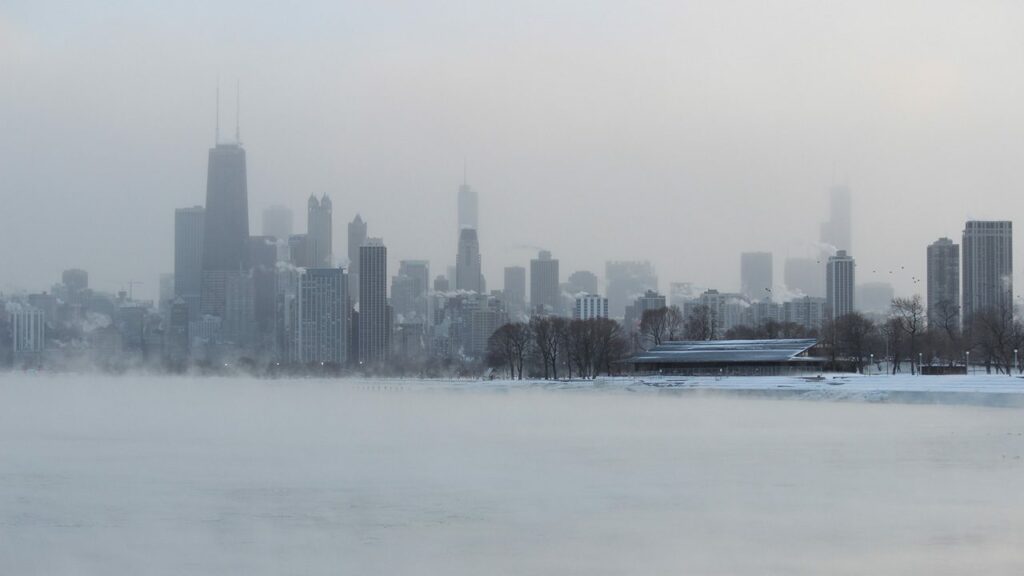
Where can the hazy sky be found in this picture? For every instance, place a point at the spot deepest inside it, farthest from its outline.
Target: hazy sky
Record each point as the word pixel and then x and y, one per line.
pixel 681 133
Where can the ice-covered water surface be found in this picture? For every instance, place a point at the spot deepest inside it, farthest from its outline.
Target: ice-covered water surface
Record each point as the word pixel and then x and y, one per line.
pixel 146 475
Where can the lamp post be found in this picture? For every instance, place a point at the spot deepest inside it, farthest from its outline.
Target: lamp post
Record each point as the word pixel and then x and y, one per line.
pixel 920 361
pixel 1015 364
pixel 872 360
pixel 968 362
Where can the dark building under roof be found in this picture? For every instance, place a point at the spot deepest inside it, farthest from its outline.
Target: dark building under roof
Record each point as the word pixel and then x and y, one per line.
pixel 729 357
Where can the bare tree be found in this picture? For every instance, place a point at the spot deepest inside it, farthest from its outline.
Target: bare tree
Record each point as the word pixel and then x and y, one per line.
pixel 700 324
pixel 910 314
pixel 654 327
pixel 855 333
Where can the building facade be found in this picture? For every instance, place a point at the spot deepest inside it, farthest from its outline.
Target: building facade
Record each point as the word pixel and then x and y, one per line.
pixel 840 281
pixel 756 275
pixel 944 283
pixel 545 295
pixel 373 305
pixel 987 269
pixel 590 306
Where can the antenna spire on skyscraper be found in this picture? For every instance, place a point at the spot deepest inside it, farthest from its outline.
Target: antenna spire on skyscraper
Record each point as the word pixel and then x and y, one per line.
pixel 238 105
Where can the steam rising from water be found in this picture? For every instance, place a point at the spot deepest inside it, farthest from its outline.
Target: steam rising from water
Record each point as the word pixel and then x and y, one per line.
pixel 166 476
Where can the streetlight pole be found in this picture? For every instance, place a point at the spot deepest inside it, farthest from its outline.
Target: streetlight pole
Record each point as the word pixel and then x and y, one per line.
pixel 968 367
pixel 920 361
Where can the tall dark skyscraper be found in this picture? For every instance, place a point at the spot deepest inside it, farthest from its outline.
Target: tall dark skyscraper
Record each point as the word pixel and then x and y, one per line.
pixel 373 305
pixel 319 232
pixel 189 228
pixel 544 289
pixel 987 269
pixel 356 238
pixel 944 284
pixel 467 262
pixel 756 275
pixel 468 208
pixel 838 231
pixel 322 328
pixel 226 237
pixel 277 222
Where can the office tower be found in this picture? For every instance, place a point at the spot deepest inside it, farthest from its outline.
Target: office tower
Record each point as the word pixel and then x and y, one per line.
pixel 514 290
pixel 805 277
pixel 582 281
pixel 319 232
pixel 544 292
pixel 75 281
pixel 484 320
pixel 409 289
pixel 625 282
pixel 987 269
pixel 467 262
pixel 756 276
pixel 322 329
pixel 373 306
pixel 356 238
pixel 28 332
pixel 839 284
pixel 298 250
pixel 590 306
pixel 874 297
pixel 226 226
pixel 189 229
pixel 441 283
pixel 807 311
pixel 838 230
pixel 277 222
pixel 468 209
pixel 263 257
pixel 239 316
pixel 944 284
pixel 176 345
pixel 166 294
pixel 649 300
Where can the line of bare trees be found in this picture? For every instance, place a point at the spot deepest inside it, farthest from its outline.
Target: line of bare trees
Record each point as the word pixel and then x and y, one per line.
pixel 550 347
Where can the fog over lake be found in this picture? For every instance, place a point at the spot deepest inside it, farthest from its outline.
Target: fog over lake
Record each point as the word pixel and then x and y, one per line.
pixel 147 475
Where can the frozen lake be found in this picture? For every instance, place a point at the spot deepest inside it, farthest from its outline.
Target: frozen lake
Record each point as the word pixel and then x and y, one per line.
pixel 148 475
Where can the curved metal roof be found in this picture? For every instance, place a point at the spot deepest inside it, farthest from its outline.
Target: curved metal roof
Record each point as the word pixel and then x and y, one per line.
pixel 726 351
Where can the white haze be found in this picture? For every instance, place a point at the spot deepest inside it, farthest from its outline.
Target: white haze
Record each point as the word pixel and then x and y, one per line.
pixel 149 475
pixel 599 130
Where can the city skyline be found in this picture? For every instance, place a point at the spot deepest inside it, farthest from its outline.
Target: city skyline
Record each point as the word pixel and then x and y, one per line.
pixel 717 162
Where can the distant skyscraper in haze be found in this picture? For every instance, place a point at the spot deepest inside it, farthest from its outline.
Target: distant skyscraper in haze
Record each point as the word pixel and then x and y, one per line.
pixel 468 208
pixel 189 228
pixel 356 238
pixel 514 290
pixel 756 275
pixel 626 281
pixel 467 262
pixel 944 284
pixel 373 305
pixel 874 297
pixel 409 290
pixel 582 281
pixel 319 232
pixel 277 222
pixel 544 293
pixel 840 281
pixel 226 236
pixel 838 231
pixel 987 269
pixel 805 276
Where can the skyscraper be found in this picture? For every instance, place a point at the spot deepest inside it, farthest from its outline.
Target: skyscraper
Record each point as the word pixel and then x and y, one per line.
pixel 756 278
pixel 839 284
pixel 189 228
pixel 545 296
pixel 277 222
pixel 514 290
pixel 467 263
pixel 409 290
pixel 805 276
pixel 226 226
pixel 373 306
pixel 838 231
pixel 468 208
pixel 356 238
pixel 625 282
pixel 582 281
pixel 319 232
pixel 322 327
pixel 944 284
pixel 987 269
